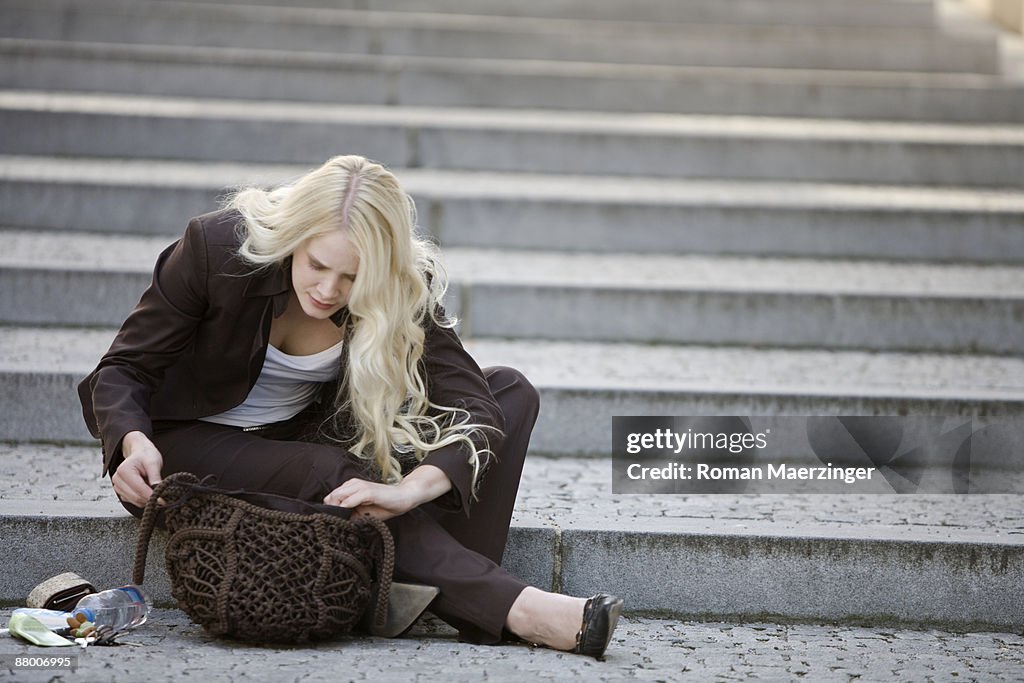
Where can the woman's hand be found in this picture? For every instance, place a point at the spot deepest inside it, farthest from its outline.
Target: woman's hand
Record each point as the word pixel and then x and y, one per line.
pixel 139 472
pixel 382 501
pixel 385 501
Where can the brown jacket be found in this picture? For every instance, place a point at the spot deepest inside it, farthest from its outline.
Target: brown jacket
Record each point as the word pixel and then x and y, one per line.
pixel 195 344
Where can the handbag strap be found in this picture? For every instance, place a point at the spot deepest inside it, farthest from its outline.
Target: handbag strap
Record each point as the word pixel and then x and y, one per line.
pixel 387 569
pixel 149 521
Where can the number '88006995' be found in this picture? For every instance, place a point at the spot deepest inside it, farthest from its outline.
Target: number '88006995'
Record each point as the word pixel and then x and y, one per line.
pixel 23 662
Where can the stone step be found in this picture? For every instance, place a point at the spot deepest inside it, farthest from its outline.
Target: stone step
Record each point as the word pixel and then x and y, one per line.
pixel 437 81
pixel 583 384
pixel 357 32
pixel 128 126
pixel 874 558
pixel 536 211
pixel 91 279
pixel 917 13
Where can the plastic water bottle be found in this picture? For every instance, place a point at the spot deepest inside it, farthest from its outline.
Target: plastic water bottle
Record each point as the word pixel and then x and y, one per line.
pixel 119 608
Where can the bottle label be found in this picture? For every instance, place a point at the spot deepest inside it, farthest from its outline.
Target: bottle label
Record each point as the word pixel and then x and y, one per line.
pixel 134 593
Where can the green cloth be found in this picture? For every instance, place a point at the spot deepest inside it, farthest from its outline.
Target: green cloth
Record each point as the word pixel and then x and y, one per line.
pixel 31 629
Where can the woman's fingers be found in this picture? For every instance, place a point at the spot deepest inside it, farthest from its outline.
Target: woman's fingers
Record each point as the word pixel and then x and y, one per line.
pixel 342 494
pixel 380 500
pixel 137 474
pixel 152 471
pixel 353 499
pixel 130 484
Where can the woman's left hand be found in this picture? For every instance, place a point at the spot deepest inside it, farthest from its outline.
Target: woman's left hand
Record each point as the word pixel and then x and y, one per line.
pixel 385 501
pixel 382 501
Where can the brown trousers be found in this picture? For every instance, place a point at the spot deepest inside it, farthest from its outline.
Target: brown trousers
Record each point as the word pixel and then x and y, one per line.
pixel 436 547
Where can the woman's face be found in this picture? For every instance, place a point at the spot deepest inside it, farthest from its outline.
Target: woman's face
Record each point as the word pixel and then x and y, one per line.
pixel 323 270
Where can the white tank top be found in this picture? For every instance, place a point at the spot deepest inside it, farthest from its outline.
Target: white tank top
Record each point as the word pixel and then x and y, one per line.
pixel 286 385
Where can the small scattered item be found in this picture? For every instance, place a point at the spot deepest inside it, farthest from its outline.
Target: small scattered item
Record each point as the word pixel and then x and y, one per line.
pixel 27 627
pixel 55 620
pixel 61 592
pixel 115 610
pixel 96 618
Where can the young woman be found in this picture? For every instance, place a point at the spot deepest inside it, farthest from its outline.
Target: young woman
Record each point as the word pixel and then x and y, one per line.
pixel 294 343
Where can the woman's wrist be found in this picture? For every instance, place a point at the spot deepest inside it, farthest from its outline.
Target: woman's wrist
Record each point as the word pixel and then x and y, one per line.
pixel 425 483
pixel 131 441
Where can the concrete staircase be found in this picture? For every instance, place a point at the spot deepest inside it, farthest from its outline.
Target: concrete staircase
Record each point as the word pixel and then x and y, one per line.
pixel 662 207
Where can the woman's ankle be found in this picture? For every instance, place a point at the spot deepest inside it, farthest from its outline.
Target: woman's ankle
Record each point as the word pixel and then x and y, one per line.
pixel 548 619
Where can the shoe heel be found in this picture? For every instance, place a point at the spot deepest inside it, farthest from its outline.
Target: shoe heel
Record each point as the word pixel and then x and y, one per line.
pixel 407 602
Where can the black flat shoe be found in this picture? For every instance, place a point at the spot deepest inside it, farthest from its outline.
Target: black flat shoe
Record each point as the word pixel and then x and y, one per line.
pixel 600 615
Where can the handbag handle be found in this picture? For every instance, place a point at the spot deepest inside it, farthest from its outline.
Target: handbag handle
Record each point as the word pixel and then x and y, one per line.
pixel 380 614
pixel 149 521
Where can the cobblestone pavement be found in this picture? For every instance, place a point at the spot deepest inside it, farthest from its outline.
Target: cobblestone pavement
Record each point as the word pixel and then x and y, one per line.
pixel 169 648
pixel 568 491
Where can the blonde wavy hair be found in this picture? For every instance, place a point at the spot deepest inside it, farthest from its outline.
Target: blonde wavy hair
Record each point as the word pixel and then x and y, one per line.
pixel 401 281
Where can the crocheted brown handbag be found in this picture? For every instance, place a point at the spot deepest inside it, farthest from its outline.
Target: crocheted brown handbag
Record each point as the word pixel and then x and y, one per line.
pixel 267 568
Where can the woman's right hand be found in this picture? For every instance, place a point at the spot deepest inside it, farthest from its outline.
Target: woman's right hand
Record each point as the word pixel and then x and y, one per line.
pixel 140 471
